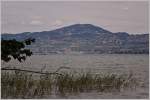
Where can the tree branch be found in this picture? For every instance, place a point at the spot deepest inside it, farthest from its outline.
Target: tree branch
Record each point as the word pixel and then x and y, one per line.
pixel 37 72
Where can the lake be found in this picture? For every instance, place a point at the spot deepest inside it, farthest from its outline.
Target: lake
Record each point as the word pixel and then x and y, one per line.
pixel 137 64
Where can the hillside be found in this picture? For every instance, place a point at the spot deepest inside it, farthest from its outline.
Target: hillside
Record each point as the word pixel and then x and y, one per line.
pixel 84 38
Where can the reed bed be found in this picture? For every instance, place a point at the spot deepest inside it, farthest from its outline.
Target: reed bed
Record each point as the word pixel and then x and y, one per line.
pixel 25 85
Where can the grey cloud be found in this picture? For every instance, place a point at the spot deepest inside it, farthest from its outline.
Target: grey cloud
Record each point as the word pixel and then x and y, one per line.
pixel 128 16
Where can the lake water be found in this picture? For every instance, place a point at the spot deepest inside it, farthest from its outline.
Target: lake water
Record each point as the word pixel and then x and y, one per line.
pixel 138 64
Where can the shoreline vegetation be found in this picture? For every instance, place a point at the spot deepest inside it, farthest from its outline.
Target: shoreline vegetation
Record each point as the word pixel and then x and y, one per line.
pixel 22 84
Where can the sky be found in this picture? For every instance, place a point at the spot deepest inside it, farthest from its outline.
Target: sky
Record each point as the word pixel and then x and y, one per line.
pixel 36 16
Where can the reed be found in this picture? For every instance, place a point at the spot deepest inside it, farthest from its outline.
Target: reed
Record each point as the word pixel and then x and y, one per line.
pixel 25 85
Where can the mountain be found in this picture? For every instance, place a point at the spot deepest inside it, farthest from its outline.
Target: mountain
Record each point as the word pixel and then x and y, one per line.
pixel 84 38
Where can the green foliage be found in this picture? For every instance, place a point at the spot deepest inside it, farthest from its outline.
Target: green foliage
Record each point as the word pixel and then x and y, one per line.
pixel 15 49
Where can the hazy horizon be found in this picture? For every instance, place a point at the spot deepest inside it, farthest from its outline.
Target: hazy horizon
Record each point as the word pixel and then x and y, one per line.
pixel 114 16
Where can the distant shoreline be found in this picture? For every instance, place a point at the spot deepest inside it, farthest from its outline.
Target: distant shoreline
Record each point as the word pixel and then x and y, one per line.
pixel 94 54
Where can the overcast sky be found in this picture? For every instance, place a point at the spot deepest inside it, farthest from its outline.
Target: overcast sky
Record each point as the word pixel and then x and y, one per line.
pixel 115 16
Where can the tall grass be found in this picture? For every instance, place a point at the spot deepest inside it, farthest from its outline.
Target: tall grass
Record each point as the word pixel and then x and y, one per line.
pixel 25 85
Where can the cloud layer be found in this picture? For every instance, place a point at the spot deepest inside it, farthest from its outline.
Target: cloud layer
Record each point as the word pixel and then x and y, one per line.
pixel 128 16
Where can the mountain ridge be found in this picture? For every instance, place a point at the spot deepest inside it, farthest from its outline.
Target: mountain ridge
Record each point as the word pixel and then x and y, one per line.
pixel 65 27
pixel 86 38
